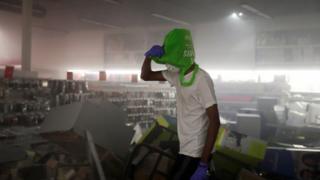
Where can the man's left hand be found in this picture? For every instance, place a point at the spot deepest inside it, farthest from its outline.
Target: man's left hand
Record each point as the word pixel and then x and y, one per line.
pixel 201 172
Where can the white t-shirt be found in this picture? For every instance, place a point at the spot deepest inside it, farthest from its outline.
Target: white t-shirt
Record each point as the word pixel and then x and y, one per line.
pixel 192 102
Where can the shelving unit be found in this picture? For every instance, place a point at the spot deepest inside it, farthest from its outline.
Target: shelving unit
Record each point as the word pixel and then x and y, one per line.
pixel 25 103
pixel 294 48
pixel 141 101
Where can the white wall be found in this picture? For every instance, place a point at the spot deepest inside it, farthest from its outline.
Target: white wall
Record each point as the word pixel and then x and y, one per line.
pixel 85 50
pixel 54 52
pixel 10 39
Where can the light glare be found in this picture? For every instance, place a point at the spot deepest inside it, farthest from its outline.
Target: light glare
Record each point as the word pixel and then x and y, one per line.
pixel 299 80
pixel 234 15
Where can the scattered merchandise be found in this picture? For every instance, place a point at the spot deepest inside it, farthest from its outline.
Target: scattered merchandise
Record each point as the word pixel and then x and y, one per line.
pixel 241 147
pixel 162 130
pixel 154 150
pixel 291 163
pixel 11 153
pixel 248 175
pixel 150 109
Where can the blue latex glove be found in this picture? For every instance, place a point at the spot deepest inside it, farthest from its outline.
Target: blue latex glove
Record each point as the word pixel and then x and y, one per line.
pixel 155 51
pixel 201 172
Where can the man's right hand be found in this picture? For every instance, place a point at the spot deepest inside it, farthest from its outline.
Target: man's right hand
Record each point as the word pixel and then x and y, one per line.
pixel 155 51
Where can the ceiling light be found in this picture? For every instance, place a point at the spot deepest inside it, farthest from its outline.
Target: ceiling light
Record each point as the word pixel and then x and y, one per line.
pixel 89 21
pixel 255 11
pixel 234 15
pixel 170 19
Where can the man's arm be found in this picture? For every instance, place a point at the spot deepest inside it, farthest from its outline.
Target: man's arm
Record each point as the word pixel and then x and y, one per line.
pixel 213 128
pixel 147 74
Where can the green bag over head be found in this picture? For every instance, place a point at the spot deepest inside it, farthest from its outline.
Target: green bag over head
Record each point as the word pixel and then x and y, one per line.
pixel 179 52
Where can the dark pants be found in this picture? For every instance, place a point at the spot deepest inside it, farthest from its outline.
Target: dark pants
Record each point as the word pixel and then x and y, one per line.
pixel 184 167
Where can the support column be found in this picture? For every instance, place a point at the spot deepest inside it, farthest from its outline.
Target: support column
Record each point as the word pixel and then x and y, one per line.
pixel 26 35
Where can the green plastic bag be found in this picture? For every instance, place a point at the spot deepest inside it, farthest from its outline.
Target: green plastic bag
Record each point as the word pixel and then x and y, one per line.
pixel 179 52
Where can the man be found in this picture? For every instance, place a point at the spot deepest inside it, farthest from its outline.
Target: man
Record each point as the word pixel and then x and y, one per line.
pixel 197 111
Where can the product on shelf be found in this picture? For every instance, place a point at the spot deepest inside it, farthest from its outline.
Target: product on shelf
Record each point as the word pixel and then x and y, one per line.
pixel 142 103
pixel 26 102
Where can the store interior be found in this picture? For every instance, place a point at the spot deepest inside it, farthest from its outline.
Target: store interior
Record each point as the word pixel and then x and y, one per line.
pixel 73 104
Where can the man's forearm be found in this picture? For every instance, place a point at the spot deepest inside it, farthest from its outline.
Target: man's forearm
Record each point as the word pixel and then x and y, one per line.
pixel 146 68
pixel 211 138
pixel 213 128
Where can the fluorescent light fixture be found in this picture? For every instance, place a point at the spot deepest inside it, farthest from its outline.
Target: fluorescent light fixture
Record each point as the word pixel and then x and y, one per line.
pixel 123 71
pixel 83 72
pixel 170 19
pixel 108 71
pixel 115 2
pixel 299 80
pixel 89 21
pixel 255 11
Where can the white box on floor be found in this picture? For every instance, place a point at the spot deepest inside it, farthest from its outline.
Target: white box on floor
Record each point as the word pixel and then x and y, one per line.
pixel 249 124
